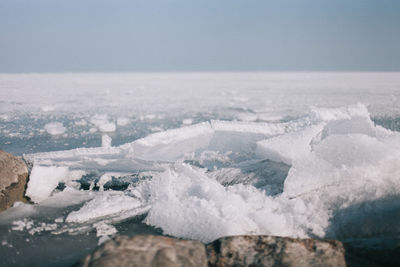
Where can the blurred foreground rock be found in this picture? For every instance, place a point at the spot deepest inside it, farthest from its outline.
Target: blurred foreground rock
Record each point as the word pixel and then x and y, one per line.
pixel 13 178
pixel 147 250
pixel 274 251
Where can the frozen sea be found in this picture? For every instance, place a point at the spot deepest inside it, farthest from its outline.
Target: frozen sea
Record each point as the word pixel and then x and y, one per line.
pixel 199 156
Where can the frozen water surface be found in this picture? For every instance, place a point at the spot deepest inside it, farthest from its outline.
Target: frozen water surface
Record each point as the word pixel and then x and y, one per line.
pixel 199 156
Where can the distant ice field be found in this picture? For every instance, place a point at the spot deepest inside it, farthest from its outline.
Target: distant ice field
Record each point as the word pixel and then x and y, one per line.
pixel 133 105
pixel 199 156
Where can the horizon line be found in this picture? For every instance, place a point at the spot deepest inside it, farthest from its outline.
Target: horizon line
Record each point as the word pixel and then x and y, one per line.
pixel 199 71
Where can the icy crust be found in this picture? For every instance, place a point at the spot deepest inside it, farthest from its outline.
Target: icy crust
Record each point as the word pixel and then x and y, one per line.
pixel 314 176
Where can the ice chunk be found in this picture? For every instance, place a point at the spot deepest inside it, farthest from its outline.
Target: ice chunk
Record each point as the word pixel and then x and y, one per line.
pixel 173 144
pixel 55 128
pixel 360 125
pixel 289 147
pixel 104 231
pixel 345 165
pixel 92 130
pixel 67 197
pixel 351 150
pixel 188 121
pixel 106 140
pixel 248 127
pixel 342 113
pixel 122 121
pixel 107 127
pixel 80 123
pixel 107 203
pixel 103 123
pixel 43 180
pixel 187 203
pixel 105 178
pixel 48 108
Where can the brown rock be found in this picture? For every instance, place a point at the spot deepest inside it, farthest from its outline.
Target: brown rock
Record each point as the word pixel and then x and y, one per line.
pixel 274 251
pixel 13 178
pixel 147 250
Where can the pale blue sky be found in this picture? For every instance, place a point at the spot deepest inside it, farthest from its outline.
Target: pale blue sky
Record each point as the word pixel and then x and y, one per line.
pixel 202 35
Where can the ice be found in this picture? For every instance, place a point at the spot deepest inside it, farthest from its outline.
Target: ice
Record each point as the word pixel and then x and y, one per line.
pixel 106 141
pixel 48 108
pixel 80 123
pixel 20 225
pixel 338 162
pixel 187 121
pixel 92 130
pixel 6 244
pixel 248 127
pixel 354 125
pixel 31 227
pixel 106 203
pixel 122 121
pixel 341 113
pixel 55 128
pixel 43 180
pixel 104 231
pixel 290 147
pixel 291 154
pixel 107 177
pixel 354 150
pixel 176 135
pixel 172 144
pixel 103 123
pixel 189 204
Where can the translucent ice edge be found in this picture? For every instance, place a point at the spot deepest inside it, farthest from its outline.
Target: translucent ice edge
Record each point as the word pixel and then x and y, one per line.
pixel 342 166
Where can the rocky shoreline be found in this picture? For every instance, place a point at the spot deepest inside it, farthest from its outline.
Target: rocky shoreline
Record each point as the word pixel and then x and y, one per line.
pixel 246 250
pixel 150 250
pixel 13 180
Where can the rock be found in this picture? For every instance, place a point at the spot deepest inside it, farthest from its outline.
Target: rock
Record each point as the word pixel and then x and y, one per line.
pixel 147 250
pixel 274 251
pixel 13 178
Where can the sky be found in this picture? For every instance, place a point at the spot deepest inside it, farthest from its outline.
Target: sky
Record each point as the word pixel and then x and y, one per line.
pixel 199 35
